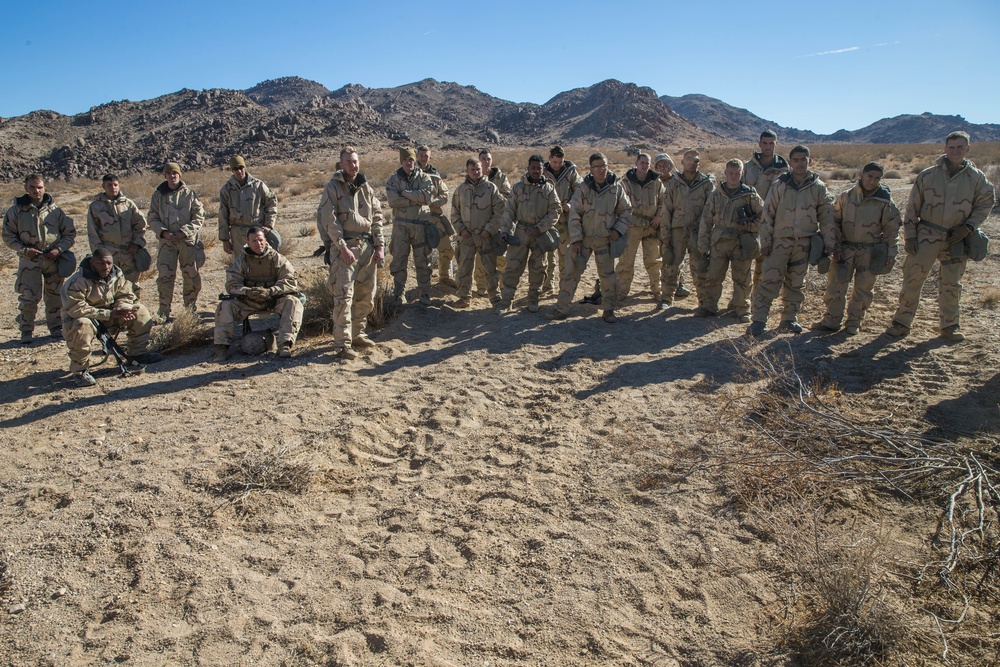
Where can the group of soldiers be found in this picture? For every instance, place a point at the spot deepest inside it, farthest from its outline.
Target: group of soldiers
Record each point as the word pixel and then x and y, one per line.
pixel 764 225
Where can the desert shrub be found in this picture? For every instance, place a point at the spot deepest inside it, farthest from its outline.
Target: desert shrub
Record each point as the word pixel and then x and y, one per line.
pixel 274 469
pixel 317 315
pixel 841 175
pixel 990 298
pixel 892 173
pixel 186 330
pixel 307 230
pixel 386 309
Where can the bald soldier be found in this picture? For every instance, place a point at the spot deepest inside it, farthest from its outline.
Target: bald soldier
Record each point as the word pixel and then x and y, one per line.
pixel 947 204
pixel 244 202
pixel 566 179
pixel 38 231
pixel 686 195
pixel 409 192
pixel 646 193
pixel 176 217
pixel 867 223
pixel 797 208
pixel 116 223
pixel 732 212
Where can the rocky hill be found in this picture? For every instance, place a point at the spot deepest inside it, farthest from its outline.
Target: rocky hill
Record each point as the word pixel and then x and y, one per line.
pixel 732 122
pixel 922 128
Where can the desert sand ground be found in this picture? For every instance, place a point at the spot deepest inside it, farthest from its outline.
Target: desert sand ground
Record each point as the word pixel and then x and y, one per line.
pixel 479 490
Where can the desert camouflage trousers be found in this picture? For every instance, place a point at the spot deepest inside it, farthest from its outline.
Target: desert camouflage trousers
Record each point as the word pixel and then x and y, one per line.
pixel 353 292
pixel 784 271
pixel 722 258
pixel 468 256
pixel 682 240
pixel 81 334
pixel 482 285
pixel 38 281
pixel 407 236
pixel 551 273
pixel 853 265
pixel 446 250
pixel 125 261
pixel 170 255
pixel 599 247
pixel 231 311
pixel 519 257
pixel 649 239
pixel 931 246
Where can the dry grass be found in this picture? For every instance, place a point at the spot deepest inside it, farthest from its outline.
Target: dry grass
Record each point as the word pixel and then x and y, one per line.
pixel 186 330
pixel 990 298
pixel 317 316
pixel 307 230
pixel 275 469
pixel 385 310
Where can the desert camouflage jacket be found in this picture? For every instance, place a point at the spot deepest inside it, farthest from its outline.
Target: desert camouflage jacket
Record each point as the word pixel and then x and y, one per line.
pixel 759 177
pixel 797 211
pixel 722 212
pixel 439 193
pixel 646 196
pixel 476 206
pixel 499 179
pixel 177 210
pixel 269 269
pixel 115 224
pixel 867 219
pixel 530 203
pixel 596 210
pixel 86 294
pixel 949 201
pixel 566 182
pixel 409 196
pixel 245 206
pixel 684 202
pixel 349 207
pixel 41 227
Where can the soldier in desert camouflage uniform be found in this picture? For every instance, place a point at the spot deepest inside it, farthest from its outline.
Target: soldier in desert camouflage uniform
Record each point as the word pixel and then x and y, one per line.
pixel 38 231
pixel 409 192
pixel 532 210
pixel 476 213
pixel 948 202
pixel 262 281
pixel 797 208
pixel 446 251
pixel 350 218
pixel 733 210
pixel 116 223
pixel 176 216
pixel 867 224
pixel 244 202
pixel 495 176
pixel 646 193
pixel 760 172
pixel 599 213
pixel 566 180
pixel 684 201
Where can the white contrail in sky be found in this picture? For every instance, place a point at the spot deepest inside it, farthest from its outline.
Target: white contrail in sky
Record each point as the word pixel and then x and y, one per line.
pixel 827 53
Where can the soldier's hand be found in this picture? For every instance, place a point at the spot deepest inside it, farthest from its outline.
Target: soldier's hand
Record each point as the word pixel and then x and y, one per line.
pixel 485 234
pixel 228 247
pixel 889 263
pixel 957 234
pixel 465 233
pixel 615 235
pixel 255 293
pixel 347 255
pixel 52 254
pixel 577 247
pixel 911 246
pixel 533 234
pixel 32 253
pixel 124 313
pixel 765 250
pixel 379 255
pixel 833 254
pixel 565 207
pixel 655 222
pixel 132 248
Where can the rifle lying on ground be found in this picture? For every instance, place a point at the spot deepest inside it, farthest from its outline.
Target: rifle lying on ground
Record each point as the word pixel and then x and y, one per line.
pixel 110 346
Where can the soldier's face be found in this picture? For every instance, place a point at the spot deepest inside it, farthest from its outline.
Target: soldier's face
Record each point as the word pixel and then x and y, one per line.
pixel 256 242
pixel 871 179
pixel 35 190
pixel 767 145
pixel 102 265
pixel 486 160
pixel 423 158
pixel 690 163
pixel 349 163
pixel 240 173
pixel 956 150
pixel 800 164
pixel 173 179
pixel 663 167
pixel 555 162
pixel 534 170
pixel 474 171
pixel 599 168
pixel 407 163
pixel 733 175
pixel 642 164
pixel 111 188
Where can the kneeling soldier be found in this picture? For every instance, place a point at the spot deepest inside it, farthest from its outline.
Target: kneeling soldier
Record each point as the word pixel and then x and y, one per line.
pixel 350 217
pixel 867 223
pixel 261 281
pixel 733 210
pixel 532 210
pixel 100 293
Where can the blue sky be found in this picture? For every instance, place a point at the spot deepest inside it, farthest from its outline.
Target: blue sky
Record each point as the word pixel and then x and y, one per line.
pixel 817 66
